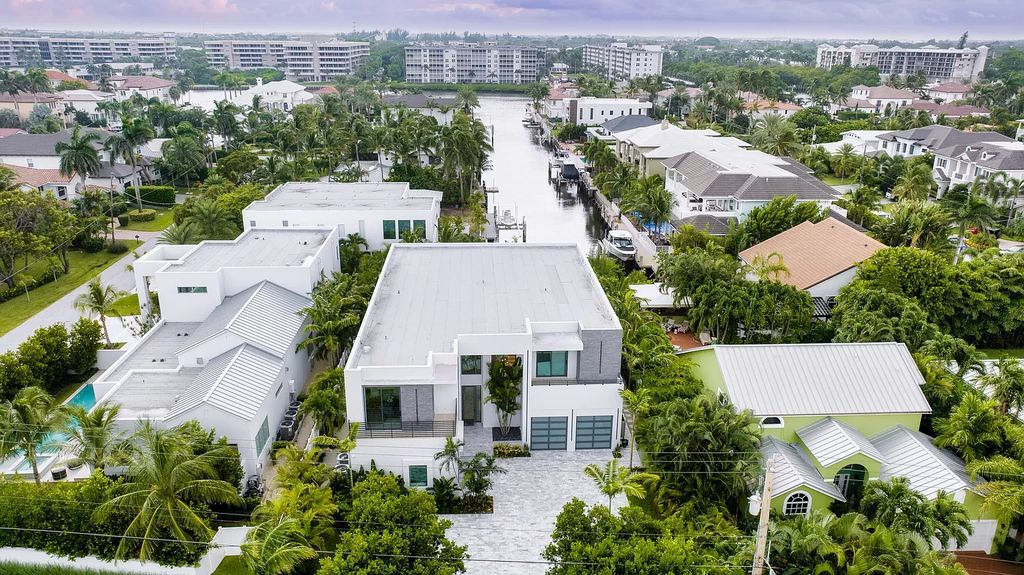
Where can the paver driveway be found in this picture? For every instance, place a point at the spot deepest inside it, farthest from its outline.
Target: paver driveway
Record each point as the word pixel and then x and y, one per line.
pixel 526 502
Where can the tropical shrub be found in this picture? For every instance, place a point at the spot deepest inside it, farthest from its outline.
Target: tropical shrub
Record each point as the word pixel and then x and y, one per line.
pixel 510 450
pixel 144 215
pixel 117 247
pixel 162 196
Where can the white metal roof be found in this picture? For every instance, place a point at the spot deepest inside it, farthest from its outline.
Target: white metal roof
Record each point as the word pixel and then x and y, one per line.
pixel 831 441
pixel 236 382
pixel 911 454
pixel 651 296
pixel 428 294
pixel 822 379
pixel 792 470
pixel 347 196
pixel 266 315
pixel 254 248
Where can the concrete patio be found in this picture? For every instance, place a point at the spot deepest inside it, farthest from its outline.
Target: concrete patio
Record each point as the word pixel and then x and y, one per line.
pixel 527 500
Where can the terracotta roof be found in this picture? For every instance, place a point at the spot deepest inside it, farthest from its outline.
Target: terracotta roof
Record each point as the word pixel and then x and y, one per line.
pixel 814 252
pixel 326 90
pixel 140 82
pixel 4 132
pixel 35 177
pixel 952 88
pixel 30 97
pixel 58 76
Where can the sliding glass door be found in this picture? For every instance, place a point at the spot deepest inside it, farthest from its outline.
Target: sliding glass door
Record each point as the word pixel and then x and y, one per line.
pixel 383 407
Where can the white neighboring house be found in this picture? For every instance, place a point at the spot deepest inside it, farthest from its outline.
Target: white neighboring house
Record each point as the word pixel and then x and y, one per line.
pixel 965 163
pixel 49 181
pixel 647 147
pixel 864 142
pixel 917 141
pixel 588 111
pixel 38 151
pixel 418 369
pixel 949 91
pixel 440 108
pixel 379 212
pixel 84 101
pixel 146 86
pixel 884 97
pixel 281 95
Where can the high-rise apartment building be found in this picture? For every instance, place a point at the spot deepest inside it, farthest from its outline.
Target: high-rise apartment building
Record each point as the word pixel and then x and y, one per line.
pixel 472 64
pixel 622 61
pixel 47 51
pixel 300 60
pixel 937 64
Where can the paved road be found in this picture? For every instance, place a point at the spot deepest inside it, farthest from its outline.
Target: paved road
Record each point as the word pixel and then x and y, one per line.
pixel 63 310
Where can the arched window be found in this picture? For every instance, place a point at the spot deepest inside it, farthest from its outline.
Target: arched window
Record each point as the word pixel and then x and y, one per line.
pixel 771 421
pixel 798 503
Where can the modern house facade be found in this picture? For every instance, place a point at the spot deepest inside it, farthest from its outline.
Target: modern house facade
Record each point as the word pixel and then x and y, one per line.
pixel 619 60
pixel 918 141
pixel 937 64
pixel 419 368
pixel 472 64
pixel 24 51
pixel 379 212
pixel 588 111
pixel 302 60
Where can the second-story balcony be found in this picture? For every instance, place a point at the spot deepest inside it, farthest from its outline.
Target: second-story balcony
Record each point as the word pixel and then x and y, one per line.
pixel 574 381
pixel 406 429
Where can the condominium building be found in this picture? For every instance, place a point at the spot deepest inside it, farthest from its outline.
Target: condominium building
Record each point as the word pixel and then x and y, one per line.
pixel 620 60
pixel 472 64
pixel 937 64
pixel 29 51
pixel 302 60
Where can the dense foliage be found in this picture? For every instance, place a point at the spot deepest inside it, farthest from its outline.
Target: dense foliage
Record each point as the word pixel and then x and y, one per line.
pixel 51 357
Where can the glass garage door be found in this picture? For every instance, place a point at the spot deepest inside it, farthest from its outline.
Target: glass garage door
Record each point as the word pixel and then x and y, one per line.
pixel 594 432
pixel 548 433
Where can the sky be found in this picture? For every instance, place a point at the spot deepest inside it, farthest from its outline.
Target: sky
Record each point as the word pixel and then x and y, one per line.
pixel 882 19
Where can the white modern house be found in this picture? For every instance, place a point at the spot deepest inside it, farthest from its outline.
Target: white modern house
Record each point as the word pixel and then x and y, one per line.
pixel 379 212
pixel 588 111
pixel 648 147
pixel 419 367
pixel 225 351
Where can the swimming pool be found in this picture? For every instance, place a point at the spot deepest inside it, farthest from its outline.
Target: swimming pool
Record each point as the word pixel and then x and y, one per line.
pixel 85 397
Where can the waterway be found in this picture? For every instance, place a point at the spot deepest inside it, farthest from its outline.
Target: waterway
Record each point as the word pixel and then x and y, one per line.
pixel 519 171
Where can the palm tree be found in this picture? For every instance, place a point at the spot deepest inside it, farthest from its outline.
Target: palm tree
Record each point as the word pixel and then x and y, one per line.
pixel 78 155
pixel 617 181
pixel 639 404
pixel 775 135
pixel 895 503
pixel 950 522
pixel 1004 490
pixel 862 200
pixel 613 480
pixel 13 83
pixel 466 99
pixel 843 160
pixel 276 547
pixel 179 234
pixel 26 422
pixel 135 132
pixel 351 248
pixel 967 209
pixel 916 183
pixel 164 480
pixel 649 198
pixel 93 435
pixel 973 429
pixel 99 299
pixel 1005 384
pixel 182 156
pixel 768 266
pixel 449 457
pixel 211 220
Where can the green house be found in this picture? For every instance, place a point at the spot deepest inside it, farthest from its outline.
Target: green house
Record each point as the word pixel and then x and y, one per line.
pixel 834 416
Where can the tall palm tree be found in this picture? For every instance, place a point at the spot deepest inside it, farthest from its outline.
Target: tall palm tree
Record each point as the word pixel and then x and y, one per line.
pixel 613 480
pixel 639 404
pixel 649 198
pixel 1005 384
pixel 844 160
pixel 164 480
pixel 93 435
pixel 916 183
pixel 13 83
pixel 182 156
pixel 351 248
pixel 449 457
pixel 862 200
pixel 276 547
pixel 78 155
pixel 26 422
pixel 617 181
pixel 466 99
pixel 973 429
pixel 99 299
pixel 775 135
pixel 967 209
pixel 211 220
pixel 135 132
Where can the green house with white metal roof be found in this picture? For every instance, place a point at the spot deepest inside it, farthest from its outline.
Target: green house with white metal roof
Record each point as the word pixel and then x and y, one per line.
pixel 836 415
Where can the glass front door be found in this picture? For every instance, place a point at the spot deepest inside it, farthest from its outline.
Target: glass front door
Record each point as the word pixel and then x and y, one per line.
pixel 383 407
pixel 471 404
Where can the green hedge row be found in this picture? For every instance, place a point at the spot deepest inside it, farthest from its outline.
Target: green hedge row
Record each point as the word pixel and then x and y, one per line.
pixel 159 195
pixel 145 215
pixel 16 569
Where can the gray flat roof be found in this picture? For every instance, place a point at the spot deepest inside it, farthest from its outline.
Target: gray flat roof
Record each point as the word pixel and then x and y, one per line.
pixel 159 350
pixel 347 196
pixel 254 248
pixel 430 293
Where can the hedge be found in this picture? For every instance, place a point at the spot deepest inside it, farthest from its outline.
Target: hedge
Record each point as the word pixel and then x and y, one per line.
pixel 69 508
pixel 159 195
pixel 146 215
pixel 18 569
pixel 123 219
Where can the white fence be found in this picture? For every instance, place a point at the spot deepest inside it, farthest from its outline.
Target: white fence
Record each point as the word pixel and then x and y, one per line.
pixel 227 541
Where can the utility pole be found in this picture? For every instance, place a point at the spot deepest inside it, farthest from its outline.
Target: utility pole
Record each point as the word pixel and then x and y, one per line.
pixel 762 524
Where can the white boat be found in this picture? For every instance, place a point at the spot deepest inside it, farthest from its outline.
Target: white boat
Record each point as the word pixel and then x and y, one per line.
pixel 619 244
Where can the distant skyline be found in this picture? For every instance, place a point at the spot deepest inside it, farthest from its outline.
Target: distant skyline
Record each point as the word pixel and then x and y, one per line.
pixel 910 20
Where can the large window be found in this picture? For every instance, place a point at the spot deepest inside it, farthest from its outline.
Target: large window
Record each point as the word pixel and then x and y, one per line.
pixel 390 232
pixel 798 503
pixel 470 365
pixel 191 289
pixel 383 407
pixel 262 436
pixel 417 476
pixel 552 363
pixel 421 227
pixel 404 227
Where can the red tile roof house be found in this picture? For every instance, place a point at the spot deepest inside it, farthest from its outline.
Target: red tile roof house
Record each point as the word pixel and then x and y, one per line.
pixel 146 86
pixel 56 77
pixel 950 91
pixel 47 180
pixel 23 102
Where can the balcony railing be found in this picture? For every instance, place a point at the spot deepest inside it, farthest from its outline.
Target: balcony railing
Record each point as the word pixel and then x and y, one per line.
pixel 436 428
pixel 574 381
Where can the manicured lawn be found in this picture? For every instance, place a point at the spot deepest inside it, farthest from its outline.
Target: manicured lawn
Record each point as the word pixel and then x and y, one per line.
pixel 14 569
pixel 998 353
pixel 231 565
pixel 834 181
pixel 84 267
pixel 163 219
pixel 128 305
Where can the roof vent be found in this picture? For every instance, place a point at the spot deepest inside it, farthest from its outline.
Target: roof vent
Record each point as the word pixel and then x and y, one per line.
pixel 366 349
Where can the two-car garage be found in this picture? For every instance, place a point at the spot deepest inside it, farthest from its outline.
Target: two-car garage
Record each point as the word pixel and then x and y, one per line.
pixel 588 432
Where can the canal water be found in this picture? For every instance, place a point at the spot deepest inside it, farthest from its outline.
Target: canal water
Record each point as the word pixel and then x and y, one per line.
pixel 519 170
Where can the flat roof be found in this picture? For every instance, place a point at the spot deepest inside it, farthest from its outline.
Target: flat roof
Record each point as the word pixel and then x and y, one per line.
pixel 347 196
pixel 254 248
pixel 428 294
